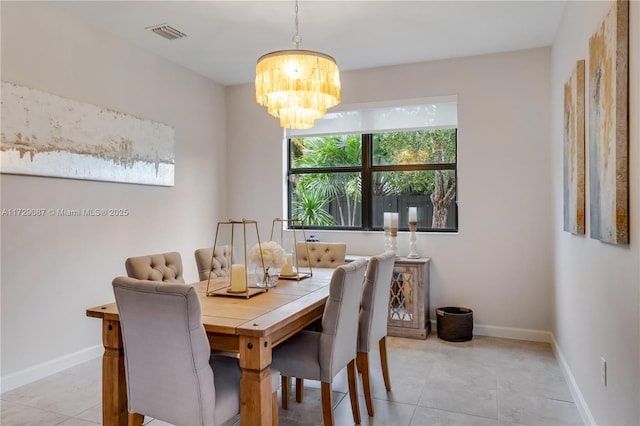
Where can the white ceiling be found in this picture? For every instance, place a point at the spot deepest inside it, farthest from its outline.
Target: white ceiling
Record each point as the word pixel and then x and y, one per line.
pixel 225 38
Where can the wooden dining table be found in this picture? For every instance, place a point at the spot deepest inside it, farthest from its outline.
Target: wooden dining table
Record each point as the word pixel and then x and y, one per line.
pixel 250 327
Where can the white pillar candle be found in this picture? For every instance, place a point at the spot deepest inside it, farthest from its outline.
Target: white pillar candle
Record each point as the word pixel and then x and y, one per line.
pixel 413 214
pixel 287 269
pixel 238 277
pixel 394 220
pixel 387 220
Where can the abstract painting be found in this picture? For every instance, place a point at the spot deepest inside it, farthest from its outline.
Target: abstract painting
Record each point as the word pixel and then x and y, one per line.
pixel 608 127
pixel 574 188
pixel 48 135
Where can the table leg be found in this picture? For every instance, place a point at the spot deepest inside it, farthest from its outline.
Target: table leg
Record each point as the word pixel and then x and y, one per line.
pixel 255 382
pixel 114 390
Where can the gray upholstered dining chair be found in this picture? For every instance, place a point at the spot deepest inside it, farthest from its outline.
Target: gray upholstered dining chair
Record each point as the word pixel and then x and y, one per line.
pixel 166 267
pixel 317 255
pixel 217 267
pixel 320 255
pixel 372 327
pixel 320 355
pixel 170 372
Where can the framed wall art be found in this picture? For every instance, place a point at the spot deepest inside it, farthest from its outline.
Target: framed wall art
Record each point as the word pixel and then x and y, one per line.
pixel 48 135
pixel 608 127
pixel 573 170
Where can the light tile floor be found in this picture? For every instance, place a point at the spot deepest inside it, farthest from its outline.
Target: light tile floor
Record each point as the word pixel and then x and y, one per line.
pixel 487 381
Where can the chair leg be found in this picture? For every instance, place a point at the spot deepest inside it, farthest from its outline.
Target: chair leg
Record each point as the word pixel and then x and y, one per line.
pixel 135 419
pixel 383 360
pixel 353 391
pixel 327 404
pixel 286 388
pixel 275 420
pixel 363 364
pixel 299 389
pixel 359 363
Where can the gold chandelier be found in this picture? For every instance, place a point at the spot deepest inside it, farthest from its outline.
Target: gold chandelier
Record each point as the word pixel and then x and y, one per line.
pixel 296 85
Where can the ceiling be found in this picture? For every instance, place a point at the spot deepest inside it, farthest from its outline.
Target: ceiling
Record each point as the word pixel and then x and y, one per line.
pixel 225 38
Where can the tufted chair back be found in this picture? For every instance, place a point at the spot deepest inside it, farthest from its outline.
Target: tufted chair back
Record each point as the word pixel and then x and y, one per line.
pixel 168 364
pixel 218 267
pixel 374 309
pixel 340 319
pixel 322 355
pixel 321 255
pixel 166 267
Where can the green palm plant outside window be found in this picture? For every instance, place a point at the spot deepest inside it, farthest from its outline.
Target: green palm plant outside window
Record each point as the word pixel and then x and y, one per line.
pixel 327 174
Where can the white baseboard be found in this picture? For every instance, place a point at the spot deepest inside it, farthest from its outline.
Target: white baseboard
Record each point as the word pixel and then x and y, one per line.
pixel 40 371
pixel 507 332
pixel 513 333
pixel 581 404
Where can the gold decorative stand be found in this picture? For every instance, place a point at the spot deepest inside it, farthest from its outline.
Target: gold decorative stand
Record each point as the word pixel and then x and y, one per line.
pixel 297 276
pixel 241 282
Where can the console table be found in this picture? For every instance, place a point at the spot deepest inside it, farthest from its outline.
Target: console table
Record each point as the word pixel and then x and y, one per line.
pixel 409 298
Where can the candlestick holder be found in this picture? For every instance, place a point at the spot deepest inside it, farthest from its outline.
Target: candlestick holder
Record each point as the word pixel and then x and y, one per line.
pixel 387 238
pixel 394 240
pixel 413 226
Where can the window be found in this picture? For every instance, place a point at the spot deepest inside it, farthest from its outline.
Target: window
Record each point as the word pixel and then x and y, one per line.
pixel 347 180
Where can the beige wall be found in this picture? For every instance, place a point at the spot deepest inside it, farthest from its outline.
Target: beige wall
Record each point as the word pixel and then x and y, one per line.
pixel 53 268
pixel 500 263
pixel 597 285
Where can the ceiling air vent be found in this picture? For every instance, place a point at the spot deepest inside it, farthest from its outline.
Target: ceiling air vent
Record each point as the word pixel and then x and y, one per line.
pixel 167 31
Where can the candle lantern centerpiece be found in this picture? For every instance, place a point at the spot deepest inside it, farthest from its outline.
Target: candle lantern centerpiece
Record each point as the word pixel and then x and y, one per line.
pixel 236 281
pixel 289 241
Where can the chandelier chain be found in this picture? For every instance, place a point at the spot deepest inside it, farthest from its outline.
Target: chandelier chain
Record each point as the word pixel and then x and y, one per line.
pixel 296 38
